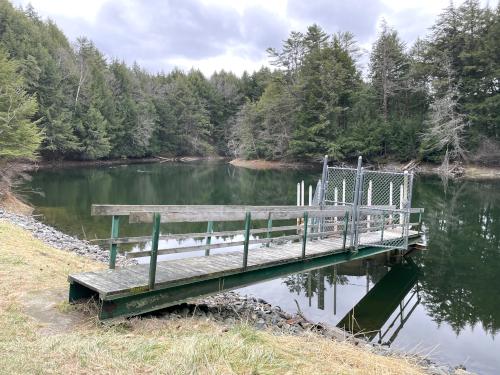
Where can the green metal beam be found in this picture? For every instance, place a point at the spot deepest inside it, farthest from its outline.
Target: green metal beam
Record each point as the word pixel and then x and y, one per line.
pixel 113 249
pixel 154 250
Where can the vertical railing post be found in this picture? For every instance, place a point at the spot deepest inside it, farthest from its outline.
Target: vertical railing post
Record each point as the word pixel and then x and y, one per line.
pixel 304 237
pixel 154 250
pixel 324 177
pixel 346 225
pixel 210 229
pixel 354 215
pixel 113 248
pixel 322 195
pixel 420 221
pixel 248 220
pixel 382 229
pixel 269 227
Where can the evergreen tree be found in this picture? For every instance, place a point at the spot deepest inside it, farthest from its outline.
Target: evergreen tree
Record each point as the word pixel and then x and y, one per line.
pixel 388 67
pixel 19 135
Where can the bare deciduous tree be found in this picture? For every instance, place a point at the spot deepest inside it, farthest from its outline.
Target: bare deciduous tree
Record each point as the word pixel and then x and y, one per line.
pixel 446 127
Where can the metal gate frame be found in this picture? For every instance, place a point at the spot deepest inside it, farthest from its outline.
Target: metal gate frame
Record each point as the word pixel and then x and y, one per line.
pixel 374 200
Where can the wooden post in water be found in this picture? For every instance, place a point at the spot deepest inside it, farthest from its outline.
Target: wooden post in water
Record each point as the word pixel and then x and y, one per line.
pixel 210 229
pixel 154 250
pixel 248 220
pixel 310 195
pixel 113 248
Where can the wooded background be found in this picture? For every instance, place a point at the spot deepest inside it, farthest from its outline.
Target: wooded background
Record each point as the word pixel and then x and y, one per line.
pixel 66 100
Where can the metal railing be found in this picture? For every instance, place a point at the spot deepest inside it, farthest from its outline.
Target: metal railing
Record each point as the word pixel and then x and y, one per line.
pixel 380 201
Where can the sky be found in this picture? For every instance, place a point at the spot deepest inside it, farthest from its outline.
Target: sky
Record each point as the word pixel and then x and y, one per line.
pixel 233 35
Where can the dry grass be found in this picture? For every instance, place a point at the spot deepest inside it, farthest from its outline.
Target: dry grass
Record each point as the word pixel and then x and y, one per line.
pixel 147 346
pixel 10 202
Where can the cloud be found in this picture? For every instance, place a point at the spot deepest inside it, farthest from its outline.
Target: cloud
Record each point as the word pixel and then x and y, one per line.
pixel 155 31
pixel 225 34
pixel 357 16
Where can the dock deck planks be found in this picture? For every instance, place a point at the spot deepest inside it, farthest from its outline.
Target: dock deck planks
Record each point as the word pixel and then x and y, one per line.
pixel 112 283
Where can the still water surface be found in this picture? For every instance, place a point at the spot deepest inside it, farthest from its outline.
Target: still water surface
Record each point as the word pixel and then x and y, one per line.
pixel 445 300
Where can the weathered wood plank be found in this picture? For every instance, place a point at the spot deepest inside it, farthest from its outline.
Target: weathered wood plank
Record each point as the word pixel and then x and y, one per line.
pixel 125 210
pixel 133 279
pixel 195 215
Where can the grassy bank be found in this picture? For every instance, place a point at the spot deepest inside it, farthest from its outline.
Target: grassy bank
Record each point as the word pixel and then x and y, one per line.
pixel 40 333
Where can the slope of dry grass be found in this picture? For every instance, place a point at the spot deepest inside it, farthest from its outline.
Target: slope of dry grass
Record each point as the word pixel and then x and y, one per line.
pixel 33 287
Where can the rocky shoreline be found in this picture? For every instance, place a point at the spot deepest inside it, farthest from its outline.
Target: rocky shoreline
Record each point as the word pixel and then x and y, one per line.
pixel 60 240
pixel 227 308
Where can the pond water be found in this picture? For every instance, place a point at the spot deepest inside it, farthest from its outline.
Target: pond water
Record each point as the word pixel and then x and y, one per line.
pixel 444 301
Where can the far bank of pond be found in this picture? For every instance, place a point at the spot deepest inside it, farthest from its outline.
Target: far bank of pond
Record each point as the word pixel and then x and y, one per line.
pixel 450 307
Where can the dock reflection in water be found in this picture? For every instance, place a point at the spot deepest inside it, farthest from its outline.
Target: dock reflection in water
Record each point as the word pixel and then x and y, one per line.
pixel 372 298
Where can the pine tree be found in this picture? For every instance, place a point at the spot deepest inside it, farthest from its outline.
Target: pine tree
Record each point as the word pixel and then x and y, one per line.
pixel 388 67
pixel 19 135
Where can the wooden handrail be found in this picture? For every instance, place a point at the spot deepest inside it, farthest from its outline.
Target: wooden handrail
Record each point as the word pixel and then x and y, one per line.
pixel 205 213
pixel 237 215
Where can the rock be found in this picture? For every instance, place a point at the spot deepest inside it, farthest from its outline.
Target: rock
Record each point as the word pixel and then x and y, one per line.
pixel 260 324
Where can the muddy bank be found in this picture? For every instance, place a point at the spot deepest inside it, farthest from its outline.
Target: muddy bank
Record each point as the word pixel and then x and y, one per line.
pixel 268 164
pixel 469 171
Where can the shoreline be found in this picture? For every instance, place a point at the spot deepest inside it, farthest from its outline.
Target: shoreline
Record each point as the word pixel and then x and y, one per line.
pixel 45 164
pixel 470 171
pixel 227 308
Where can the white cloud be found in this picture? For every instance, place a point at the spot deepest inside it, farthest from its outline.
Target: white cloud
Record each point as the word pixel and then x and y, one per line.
pixel 225 34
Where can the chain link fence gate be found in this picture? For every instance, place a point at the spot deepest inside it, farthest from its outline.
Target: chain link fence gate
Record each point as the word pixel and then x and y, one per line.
pixel 379 204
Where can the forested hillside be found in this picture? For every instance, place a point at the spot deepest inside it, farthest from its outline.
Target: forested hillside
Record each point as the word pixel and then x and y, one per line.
pixel 440 94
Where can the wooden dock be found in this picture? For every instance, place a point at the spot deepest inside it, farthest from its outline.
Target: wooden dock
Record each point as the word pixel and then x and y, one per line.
pixel 147 287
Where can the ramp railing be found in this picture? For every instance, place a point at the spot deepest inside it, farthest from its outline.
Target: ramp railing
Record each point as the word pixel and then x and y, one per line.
pixel 257 221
